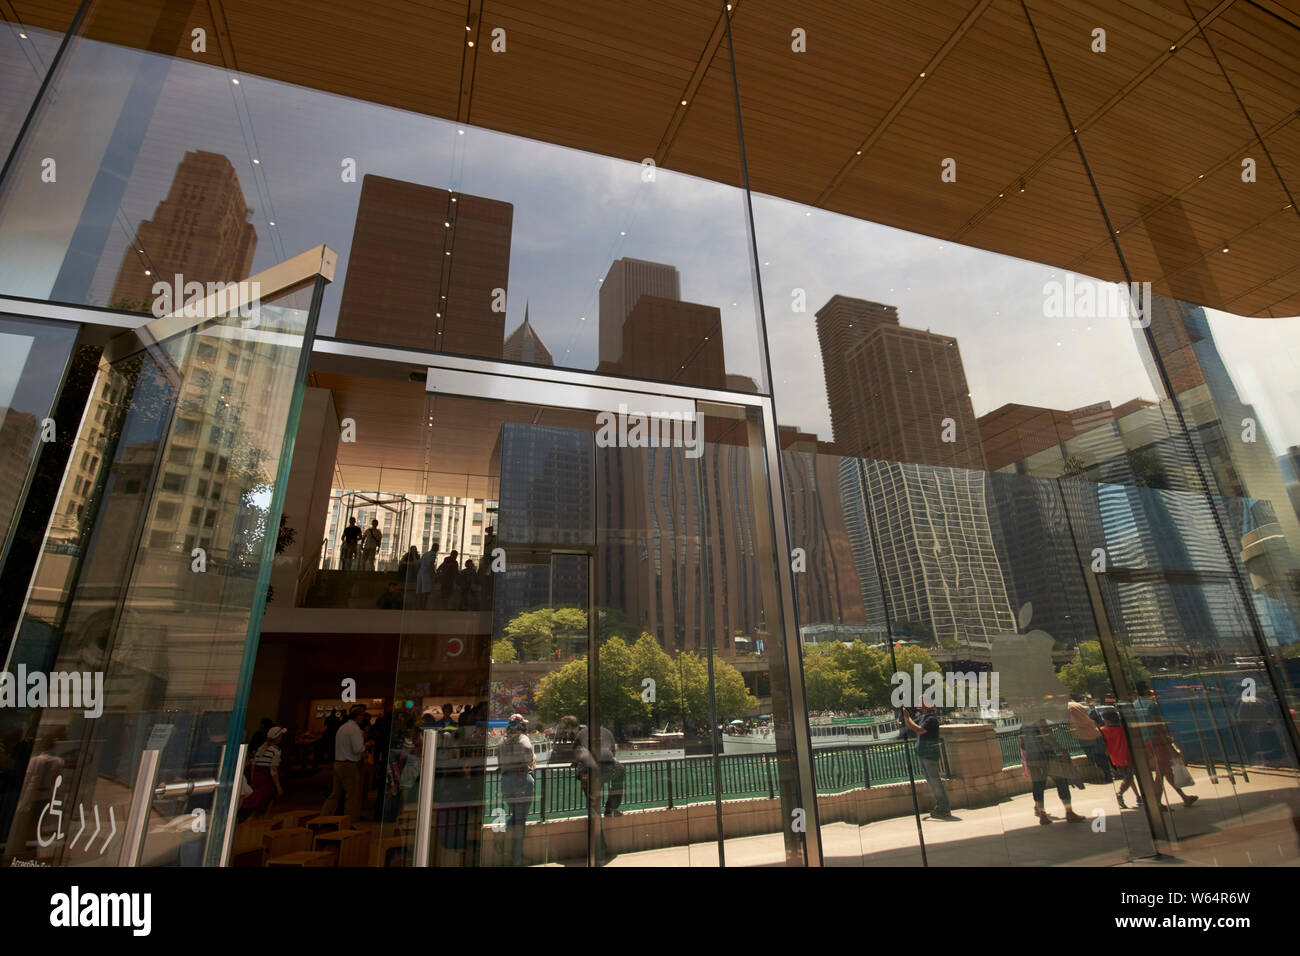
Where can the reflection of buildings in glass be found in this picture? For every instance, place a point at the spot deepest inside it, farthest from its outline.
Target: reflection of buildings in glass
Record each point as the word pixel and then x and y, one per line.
pixel 525 345
pixel 625 282
pixel 934 547
pixel 425 267
pixel 671 341
pixel 895 393
pixel 828 592
pixel 1229 433
pixel 1290 465
pixel 18 432
pixel 200 231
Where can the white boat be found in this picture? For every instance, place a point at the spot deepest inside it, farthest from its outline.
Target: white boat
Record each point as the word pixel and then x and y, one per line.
pixel 826 732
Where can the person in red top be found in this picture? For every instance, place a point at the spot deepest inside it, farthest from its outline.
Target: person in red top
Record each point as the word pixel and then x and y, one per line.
pixel 1121 757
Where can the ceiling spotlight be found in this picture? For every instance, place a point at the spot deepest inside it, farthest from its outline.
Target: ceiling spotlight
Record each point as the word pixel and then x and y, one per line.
pixel 23 36
pixel 147 272
pixel 234 80
pixel 272 222
pixel 471 42
pixel 683 102
pixel 1022 185
pixel 923 75
pixel 467 28
pixel 999 195
pixel 859 152
pixel 1173 47
pixel 1225 245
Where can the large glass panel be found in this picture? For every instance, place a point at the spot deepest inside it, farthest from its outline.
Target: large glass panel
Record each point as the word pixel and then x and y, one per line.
pixel 535 565
pixel 451 237
pixel 144 609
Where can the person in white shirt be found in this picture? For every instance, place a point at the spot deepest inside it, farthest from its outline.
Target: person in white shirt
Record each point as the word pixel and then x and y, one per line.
pixel 516 764
pixel 349 748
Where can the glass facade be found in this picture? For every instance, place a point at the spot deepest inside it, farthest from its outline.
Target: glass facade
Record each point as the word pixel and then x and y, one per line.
pixel 685 455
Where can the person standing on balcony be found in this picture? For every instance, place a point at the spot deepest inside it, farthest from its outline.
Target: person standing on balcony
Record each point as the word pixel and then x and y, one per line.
pixel 424 578
pixel 351 540
pixel 927 754
pixel 370 545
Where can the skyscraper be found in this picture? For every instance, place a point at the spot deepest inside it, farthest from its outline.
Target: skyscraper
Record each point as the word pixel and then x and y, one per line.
pixel 428 269
pixel 200 231
pixel 896 394
pixel 525 345
pixel 625 282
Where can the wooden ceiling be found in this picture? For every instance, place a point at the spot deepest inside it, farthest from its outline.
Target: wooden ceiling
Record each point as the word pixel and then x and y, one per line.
pixel 851 125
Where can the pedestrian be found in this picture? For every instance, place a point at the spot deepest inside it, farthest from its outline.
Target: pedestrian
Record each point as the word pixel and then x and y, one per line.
pixel 370 545
pixel 927 755
pixel 349 748
pixel 266 775
pixel 1121 758
pixel 1088 735
pixel 1160 745
pixel 516 763
pixel 424 578
pixel 1045 757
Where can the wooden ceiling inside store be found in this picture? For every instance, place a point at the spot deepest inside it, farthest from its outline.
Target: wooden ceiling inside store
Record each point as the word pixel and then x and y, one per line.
pixel 1161 127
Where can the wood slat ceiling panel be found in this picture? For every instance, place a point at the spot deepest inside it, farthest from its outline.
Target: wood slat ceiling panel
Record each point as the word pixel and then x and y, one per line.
pixel 46 14
pixel 1262 60
pixel 1049 219
pixel 707 141
pixel 601 77
pixel 408 56
pixel 806 113
pixel 1177 125
pixel 1135 36
pixel 990 106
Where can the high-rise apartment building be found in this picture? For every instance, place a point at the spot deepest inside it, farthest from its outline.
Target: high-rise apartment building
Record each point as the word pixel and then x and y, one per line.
pixel 895 393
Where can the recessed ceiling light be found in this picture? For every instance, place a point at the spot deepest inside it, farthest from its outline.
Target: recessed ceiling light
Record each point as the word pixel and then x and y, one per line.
pixel 234 80
pixel 272 222
pixel 257 162
pixel 683 102
pixel 923 76
pixel 471 42
pixel 147 272
pixel 24 35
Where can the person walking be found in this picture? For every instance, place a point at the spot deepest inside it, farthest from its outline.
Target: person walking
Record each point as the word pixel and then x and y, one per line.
pixel 927 755
pixel 266 775
pixel 1089 735
pixel 425 573
pixel 349 748
pixel 1160 745
pixel 1121 757
pixel 370 542
pixel 1045 757
pixel 351 541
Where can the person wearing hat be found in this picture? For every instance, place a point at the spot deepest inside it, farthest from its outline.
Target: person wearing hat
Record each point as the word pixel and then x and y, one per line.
pixel 516 762
pixel 266 775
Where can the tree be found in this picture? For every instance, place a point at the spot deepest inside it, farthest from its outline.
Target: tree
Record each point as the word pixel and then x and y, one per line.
pixel 503 652
pixel 1086 673
pixel 681 687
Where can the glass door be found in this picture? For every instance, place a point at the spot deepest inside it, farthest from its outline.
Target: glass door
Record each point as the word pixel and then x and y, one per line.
pixel 583 671
pixel 142 618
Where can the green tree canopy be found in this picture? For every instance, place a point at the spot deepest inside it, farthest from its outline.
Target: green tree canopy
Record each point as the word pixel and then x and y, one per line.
pixel 680 687
pixel 503 652
pixel 1086 673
